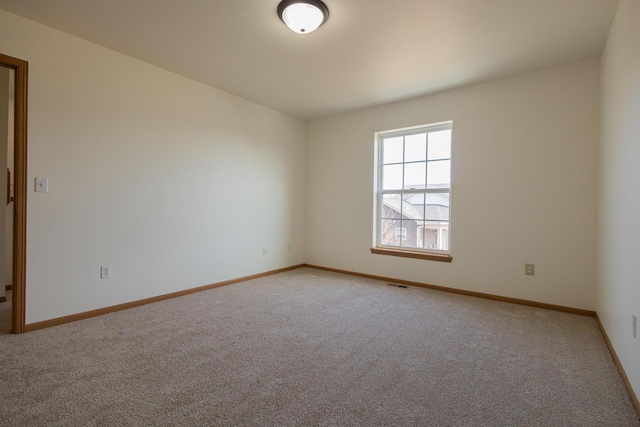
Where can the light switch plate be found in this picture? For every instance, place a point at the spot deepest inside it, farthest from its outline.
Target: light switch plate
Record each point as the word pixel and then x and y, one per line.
pixel 42 185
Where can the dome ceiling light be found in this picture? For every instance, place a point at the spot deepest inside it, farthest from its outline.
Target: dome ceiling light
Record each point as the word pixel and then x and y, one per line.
pixel 303 16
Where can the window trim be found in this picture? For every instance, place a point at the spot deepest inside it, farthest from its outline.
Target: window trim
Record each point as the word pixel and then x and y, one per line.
pixel 430 256
pixel 418 253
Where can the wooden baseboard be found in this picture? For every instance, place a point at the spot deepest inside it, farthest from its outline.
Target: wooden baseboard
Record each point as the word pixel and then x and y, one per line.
pixel 536 304
pixel 98 312
pixel 616 360
pixel 88 314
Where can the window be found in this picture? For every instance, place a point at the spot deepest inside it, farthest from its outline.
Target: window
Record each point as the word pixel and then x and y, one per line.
pixel 413 192
pixel 401 234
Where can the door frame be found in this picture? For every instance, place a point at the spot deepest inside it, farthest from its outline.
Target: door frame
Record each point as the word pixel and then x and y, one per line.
pixel 21 69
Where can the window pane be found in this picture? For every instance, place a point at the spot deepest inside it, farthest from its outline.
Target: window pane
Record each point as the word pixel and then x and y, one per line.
pixel 388 231
pixel 420 235
pixel 430 236
pixel 440 145
pixel 437 207
pixel 436 235
pixel 392 150
pixel 413 206
pixel 408 228
pixel 415 148
pixel 392 177
pixel 445 239
pixel 391 206
pixel 439 174
pixel 414 174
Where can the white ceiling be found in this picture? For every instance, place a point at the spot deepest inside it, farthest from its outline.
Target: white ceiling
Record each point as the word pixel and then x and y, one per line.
pixel 369 52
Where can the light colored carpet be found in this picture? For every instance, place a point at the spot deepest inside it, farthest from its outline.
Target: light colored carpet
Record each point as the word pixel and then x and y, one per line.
pixel 307 347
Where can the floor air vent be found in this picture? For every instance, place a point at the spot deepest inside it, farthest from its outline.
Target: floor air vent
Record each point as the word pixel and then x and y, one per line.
pixel 397 286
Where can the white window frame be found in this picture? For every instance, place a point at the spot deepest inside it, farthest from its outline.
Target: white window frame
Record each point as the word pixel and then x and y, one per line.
pixel 379 192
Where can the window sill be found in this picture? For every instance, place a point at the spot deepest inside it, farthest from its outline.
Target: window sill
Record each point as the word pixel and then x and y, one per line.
pixel 413 254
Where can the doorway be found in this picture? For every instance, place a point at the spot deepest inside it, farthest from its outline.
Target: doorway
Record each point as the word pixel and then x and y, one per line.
pixel 13 214
pixel 7 123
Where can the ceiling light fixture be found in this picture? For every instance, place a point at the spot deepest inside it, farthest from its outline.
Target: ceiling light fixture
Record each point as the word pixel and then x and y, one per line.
pixel 303 16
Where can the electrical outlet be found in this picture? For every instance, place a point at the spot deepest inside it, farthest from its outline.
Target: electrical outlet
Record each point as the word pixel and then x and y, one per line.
pixel 289 247
pixel 634 325
pixel 264 251
pixel 530 269
pixel 105 272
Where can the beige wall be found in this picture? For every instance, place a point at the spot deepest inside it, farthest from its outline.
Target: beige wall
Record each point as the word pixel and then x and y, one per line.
pixel 619 219
pixel 524 180
pixel 147 171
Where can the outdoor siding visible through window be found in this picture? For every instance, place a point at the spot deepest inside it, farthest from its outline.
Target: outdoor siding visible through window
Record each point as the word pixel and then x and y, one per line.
pixel 414 188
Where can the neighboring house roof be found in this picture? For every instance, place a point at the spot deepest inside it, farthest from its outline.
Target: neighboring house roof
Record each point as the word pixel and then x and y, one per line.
pixel 408 210
pixel 437 213
pixel 436 209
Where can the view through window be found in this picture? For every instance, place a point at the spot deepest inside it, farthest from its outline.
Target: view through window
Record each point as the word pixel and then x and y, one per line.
pixel 414 188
